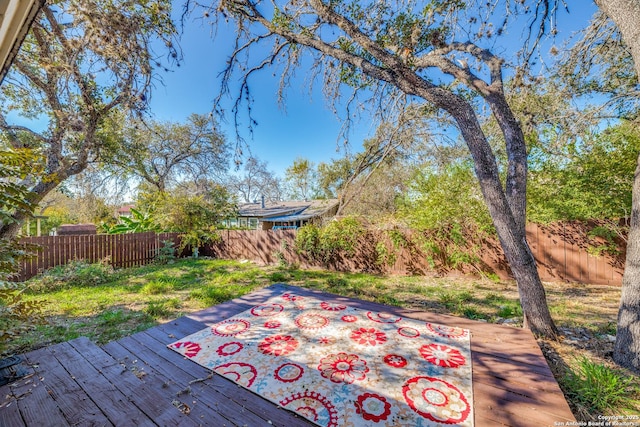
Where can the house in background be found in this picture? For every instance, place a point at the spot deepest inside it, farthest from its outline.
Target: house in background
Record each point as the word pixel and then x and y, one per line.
pixel 281 215
pixel 125 210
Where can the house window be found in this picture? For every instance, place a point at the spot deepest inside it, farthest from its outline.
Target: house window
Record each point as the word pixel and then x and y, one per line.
pixel 253 223
pixel 243 222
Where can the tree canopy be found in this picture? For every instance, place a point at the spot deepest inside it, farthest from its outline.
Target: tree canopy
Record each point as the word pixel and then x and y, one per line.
pixel 163 154
pixel 81 62
pixel 255 181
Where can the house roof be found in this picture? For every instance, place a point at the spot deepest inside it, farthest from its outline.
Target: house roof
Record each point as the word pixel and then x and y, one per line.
pixel 16 17
pixel 125 209
pixel 285 211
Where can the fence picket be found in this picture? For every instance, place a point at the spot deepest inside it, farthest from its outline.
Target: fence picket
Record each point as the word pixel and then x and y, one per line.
pixel 122 250
pixel 562 254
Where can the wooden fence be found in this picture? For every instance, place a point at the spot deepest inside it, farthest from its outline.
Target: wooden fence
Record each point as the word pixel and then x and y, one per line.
pixel 121 250
pixel 561 250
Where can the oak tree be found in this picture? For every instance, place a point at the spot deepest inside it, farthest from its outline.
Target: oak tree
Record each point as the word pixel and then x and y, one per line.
pixel 254 182
pixel 301 178
pixel 393 54
pixel 82 61
pixel 164 153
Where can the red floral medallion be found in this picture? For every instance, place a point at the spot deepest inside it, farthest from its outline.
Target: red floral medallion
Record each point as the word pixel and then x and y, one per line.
pixel 348 318
pixel 292 297
pixel 332 306
pixel 383 317
pixel 191 349
pixel 373 407
pixel 230 327
pixel 446 331
pixel 265 310
pixel 408 332
pixel 311 321
pixel 436 400
pixel 272 324
pixel 289 372
pixel 278 345
pixel 368 336
pixel 442 355
pixel 242 373
pixel 395 360
pixel 313 406
pixel 343 368
pixel 229 348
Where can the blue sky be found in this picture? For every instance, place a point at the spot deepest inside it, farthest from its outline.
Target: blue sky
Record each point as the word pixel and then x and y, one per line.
pixel 307 128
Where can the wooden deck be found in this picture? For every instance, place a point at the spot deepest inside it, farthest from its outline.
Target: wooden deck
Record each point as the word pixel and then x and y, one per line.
pixel 138 381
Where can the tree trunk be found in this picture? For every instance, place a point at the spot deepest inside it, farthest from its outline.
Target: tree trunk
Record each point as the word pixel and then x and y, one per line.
pixel 627 348
pixel 626 15
pixel 510 231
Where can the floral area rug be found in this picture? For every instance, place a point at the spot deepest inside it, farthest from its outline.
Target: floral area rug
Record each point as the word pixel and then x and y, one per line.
pixel 341 366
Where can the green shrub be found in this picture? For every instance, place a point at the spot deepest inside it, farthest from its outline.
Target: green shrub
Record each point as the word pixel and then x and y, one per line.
pixel 75 273
pixel 308 240
pixel 452 246
pixel 282 261
pixel 599 387
pixel 166 254
pixel 338 237
pixel 384 257
pixel 439 198
pixel 16 314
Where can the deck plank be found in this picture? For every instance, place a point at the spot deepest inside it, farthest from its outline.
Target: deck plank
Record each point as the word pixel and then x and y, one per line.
pixel 115 405
pixel 162 376
pixel 495 349
pixel 492 347
pixel 36 406
pixel 76 406
pixel 152 402
pixel 9 410
pixel 10 414
pixel 243 400
pixel 199 392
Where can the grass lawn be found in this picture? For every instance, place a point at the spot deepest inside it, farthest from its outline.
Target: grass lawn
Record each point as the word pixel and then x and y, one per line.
pixel 131 300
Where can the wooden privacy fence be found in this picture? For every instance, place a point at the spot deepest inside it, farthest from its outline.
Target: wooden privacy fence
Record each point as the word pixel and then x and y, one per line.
pixel 565 252
pixel 121 250
pixel 561 251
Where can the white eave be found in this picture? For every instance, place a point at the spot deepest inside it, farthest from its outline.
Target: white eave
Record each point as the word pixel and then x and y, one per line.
pixel 16 17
